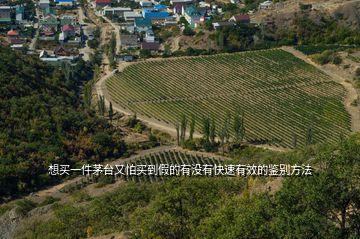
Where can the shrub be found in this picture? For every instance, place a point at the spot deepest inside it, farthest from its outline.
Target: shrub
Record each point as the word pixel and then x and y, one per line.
pixel 24 206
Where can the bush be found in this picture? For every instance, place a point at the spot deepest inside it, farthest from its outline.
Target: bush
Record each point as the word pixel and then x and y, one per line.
pixel 81 196
pixel 188 31
pixel 48 200
pixel 24 206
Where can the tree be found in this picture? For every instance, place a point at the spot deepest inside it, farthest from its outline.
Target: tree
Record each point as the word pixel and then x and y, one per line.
pixel 239 127
pixel 212 134
pixel 309 136
pixel 222 134
pixel 111 112
pixel 206 129
pixel 192 127
pixel 177 128
pixel 183 126
pixel 101 105
pixel 188 31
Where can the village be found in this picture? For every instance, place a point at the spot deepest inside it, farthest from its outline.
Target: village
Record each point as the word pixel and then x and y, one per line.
pixel 67 30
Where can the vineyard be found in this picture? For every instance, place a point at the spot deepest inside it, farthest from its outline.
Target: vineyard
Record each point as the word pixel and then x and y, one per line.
pixel 281 96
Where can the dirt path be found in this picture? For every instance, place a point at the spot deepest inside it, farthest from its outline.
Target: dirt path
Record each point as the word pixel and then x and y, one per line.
pixel 351 95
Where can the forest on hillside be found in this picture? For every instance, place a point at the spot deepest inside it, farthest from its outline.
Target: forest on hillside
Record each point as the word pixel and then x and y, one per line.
pixel 43 121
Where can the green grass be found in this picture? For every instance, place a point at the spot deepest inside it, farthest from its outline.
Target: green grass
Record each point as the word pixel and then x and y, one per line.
pixel 281 95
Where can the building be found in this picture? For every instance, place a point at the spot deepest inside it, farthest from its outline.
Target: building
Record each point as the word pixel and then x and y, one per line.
pixel 5 14
pixel 44 4
pixel 244 19
pixel 265 5
pixel 145 3
pixel 131 16
pixel 181 1
pixel 220 25
pixel 62 51
pixel 149 36
pixel 68 3
pixel 14 37
pixel 55 60
pixel 142 24
pixel 152 46
pixel 194 15
pixel 128 41
pixel 49 11
pixel 102 3
pixel 115 11
pixel 19 13
pixel 157 12
pixel 68 30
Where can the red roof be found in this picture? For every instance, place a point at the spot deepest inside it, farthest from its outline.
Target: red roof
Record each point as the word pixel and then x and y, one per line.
pixel 12 33
pixel 150 45
pixel 103 1
pixel 68 27
pixel 241 18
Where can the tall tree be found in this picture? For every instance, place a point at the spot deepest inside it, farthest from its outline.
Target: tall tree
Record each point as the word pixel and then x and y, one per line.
pixel 183 126
pixel 192 126
pixel 212 131
pixel 206 128
pixel 111 112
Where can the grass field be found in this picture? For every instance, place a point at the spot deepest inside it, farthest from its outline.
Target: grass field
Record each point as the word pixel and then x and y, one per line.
pixel 281 96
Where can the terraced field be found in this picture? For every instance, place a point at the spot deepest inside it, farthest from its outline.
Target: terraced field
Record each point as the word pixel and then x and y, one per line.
pixel 281 95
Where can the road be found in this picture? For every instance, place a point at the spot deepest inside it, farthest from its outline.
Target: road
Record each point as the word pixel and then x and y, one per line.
pixel 32 45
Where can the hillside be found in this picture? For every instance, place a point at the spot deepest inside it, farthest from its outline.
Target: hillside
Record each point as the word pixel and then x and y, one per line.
pixel 42 121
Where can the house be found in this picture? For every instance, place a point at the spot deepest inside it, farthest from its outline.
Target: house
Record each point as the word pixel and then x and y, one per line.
pixel 126 58
pixel 5 14
pixel 49 21
pixel 235 1
pixel 68 3
pixel 49 11
pixel 220 25
pixel 19 11
pixel 102 3
pixel 68 20
pixel 145 3
pixel 55 60
pixel 44 4
pixel 244 19
pixel 131 16
pixel 68 30
pixel 181 1
pixel 115 11
pixel 128 41
pixel 177 8
pixel 149 36
pixel 194 15
pixel 14 38
pixel 265 5
pixel 142 24
pixel 157 12
pixel 152 46
pixel 62 51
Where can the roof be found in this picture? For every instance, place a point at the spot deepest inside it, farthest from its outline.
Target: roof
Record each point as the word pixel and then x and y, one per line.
pixel 12 33
pixel 127 39
pixel 65 21
pixel 5 8
pixel 132 15
pixel 103 1
pixel 68 27
pixel 193 11
pixel 240 18
pixel 154 14
pixel 150 45
pixel 64 0
pixel 159 7
pixel 142 22
pixel 223 24
pixel 20 9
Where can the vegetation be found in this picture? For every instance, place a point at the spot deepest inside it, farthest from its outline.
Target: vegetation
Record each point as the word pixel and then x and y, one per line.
pixel 279 95
pixel 325 205
pixel 43 121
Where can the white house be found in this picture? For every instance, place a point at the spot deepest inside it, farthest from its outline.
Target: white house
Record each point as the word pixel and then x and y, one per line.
pixel 145 3
pixel 115 11
pixel 131 16
pixel 149 36
pixel 265 5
